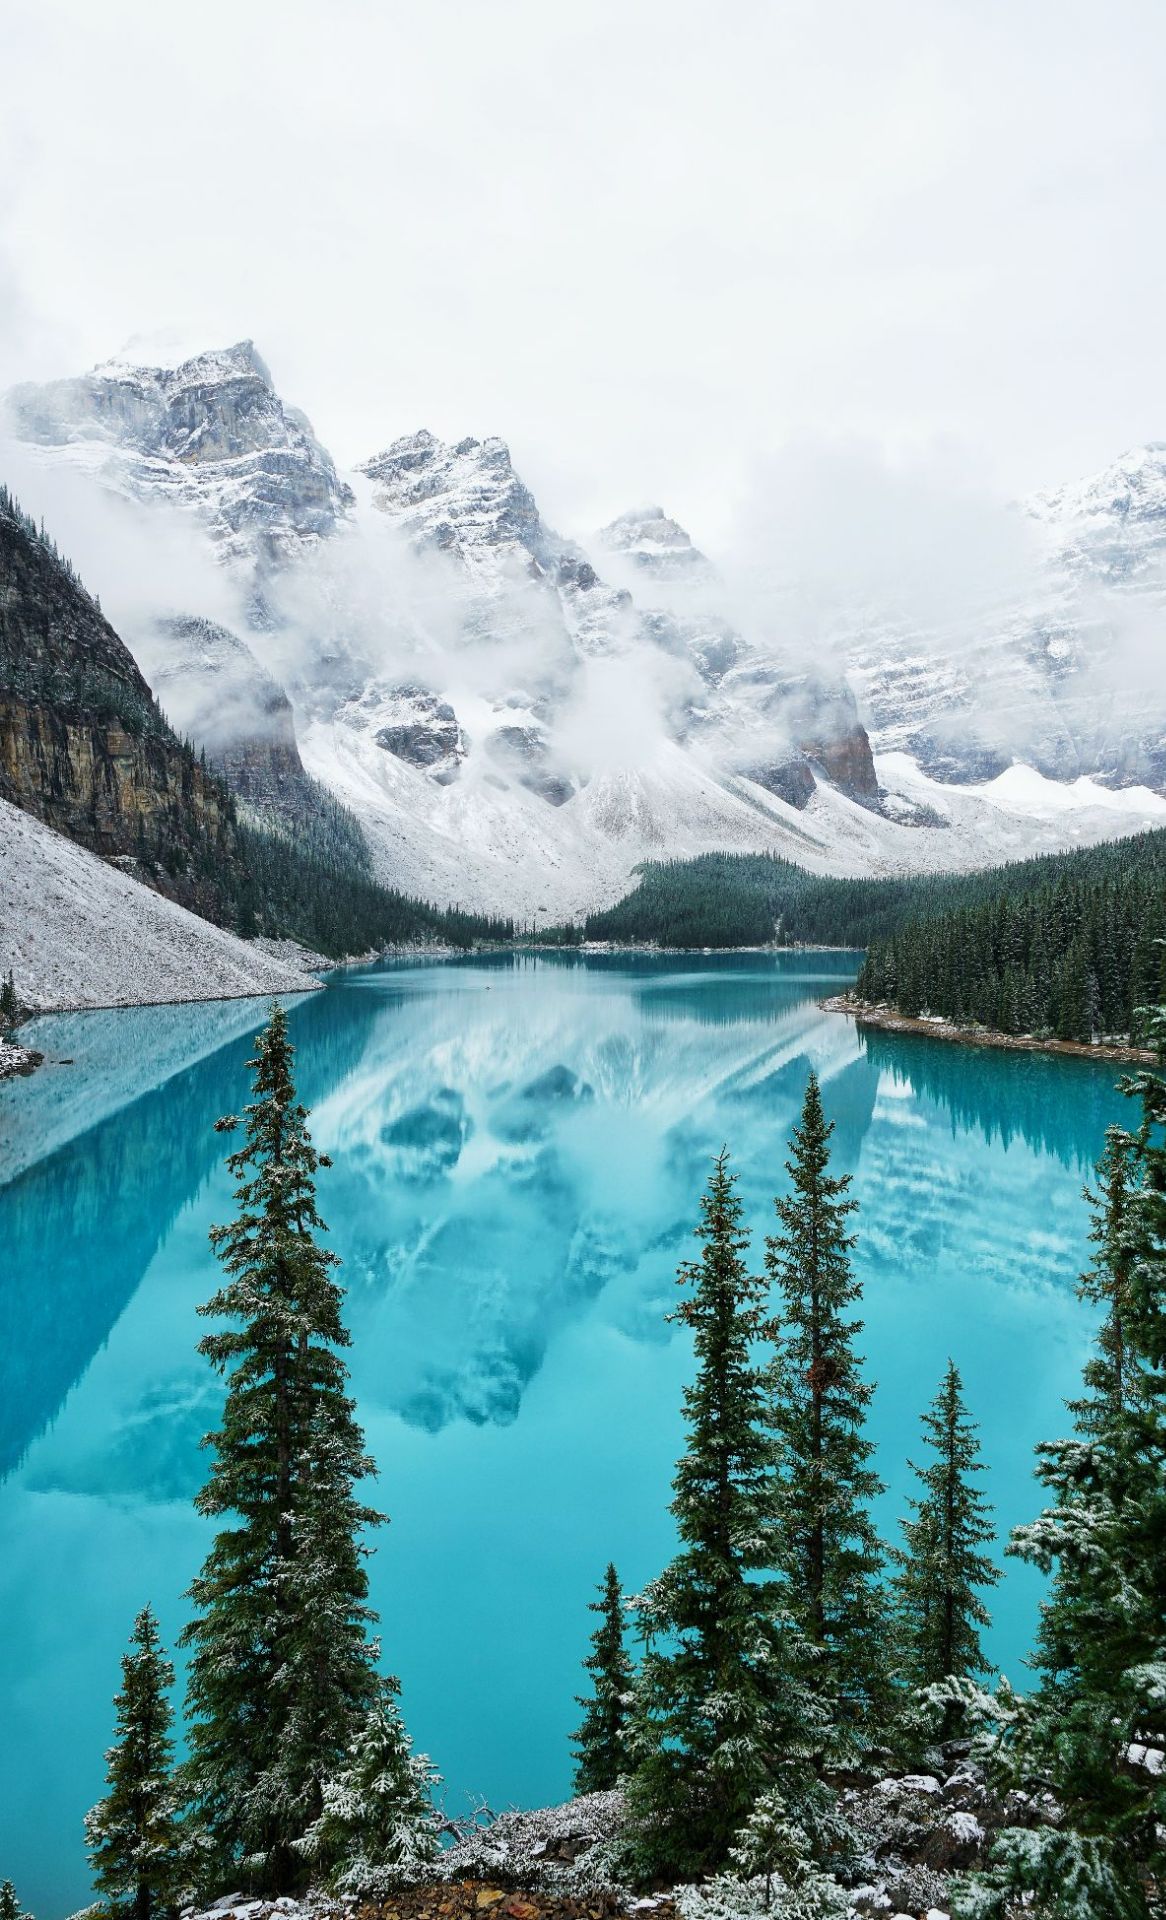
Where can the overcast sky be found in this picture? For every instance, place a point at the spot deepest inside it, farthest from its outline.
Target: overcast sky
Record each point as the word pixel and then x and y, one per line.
pixel 656 244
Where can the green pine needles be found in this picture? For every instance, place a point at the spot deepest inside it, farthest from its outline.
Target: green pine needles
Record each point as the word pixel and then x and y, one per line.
pixel 720 1712
pixel 601 1741
pixel 1101 1701
pixel 766 1661
pixel 378 1815
pixel 282 1670
pixel 10 1907
pixel 830 1553
pixel 941 1566
pixel 135 1833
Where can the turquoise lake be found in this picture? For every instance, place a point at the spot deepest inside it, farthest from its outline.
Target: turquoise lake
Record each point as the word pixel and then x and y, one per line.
pixel 519 1148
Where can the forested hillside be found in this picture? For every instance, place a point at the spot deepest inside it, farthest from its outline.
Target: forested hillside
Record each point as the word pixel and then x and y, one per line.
pixel 1073 953
pixel 742 900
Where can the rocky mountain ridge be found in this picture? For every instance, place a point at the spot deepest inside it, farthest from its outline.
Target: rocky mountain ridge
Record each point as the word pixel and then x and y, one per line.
pixel 516 723
pixel 211 434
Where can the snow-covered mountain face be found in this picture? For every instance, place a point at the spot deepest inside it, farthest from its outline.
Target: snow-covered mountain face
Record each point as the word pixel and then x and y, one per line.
pixel 212 435
pixel 656 545
pixel 1069 678
pixel 518 720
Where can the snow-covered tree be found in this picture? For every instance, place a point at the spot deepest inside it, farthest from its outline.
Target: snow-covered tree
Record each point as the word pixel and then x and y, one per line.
pixel 720 1715
pixel 777 1849
pixel 830 1552
pixel 378 1811
pixel 1053 1875
pixel 134 1833
pixel 10 1907
pixel 281 1670
pixel 1096 1728
pixel 9 1004
pixel 941 1568
pixel 601 1754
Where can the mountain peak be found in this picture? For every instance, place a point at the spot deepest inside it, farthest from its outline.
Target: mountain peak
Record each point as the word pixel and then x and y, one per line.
pixel 209 432
pixel 653 541
pixel 464 498
pixel 150 360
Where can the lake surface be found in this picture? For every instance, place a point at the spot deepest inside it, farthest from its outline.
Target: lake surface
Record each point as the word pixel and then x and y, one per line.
pixel 519 1148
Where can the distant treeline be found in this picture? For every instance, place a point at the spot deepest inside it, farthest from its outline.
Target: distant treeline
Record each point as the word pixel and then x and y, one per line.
pixel 310 879
pixel 322 893
pixel 1072 950
pixel 758 899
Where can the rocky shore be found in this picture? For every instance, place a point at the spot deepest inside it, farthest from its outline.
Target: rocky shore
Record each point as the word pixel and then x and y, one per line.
pixel 864 1014
pixel 17 1060
pixel 915 1835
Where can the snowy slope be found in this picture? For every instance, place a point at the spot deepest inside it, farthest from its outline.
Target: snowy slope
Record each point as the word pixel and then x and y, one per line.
pixel 78 933
pixel 507 853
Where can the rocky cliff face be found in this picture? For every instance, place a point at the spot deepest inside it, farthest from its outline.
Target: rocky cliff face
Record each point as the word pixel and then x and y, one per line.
pixel 214 691
pixel 212 435
pixel 83 745
pixel 466 504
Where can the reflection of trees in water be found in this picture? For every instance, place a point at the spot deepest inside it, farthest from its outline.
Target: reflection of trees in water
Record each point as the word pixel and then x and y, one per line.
pixel 1056 1105
pixel 80 1228
pixel 457 1293
pixel 722 990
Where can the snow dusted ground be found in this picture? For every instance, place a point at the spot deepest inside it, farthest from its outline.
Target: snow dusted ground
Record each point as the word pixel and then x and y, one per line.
pixel 505 851
pixel 79 933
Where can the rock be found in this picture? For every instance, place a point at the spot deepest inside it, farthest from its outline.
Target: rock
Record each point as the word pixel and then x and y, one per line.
pixel 791 780
pixel 423 732
pixel 211 435
pixel 957 1841
pixel 525 752
pixel 83 744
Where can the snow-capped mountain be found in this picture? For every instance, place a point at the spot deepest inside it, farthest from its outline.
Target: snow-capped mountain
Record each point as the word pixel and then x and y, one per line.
pixel 655 544
pixel 212 435
pixel 1068 677
pixel 518 720
pixel 1112 525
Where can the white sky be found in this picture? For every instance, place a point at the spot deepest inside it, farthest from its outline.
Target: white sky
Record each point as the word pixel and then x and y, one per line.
pixel 656 244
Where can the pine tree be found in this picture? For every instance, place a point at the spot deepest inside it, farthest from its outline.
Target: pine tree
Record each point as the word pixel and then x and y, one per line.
pixel 719 1714
pixel 940 1565
pixel 772 1847
pixel 378 1811
pixel 9 1004
pixel 831 1554
pixel 601 1741
pixel 1102 1693
pixel 281 1667
pixel 10 1907
pixel 135 1834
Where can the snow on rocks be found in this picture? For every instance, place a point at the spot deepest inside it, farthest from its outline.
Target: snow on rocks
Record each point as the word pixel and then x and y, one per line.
pixel 76 932
pixel 16 1060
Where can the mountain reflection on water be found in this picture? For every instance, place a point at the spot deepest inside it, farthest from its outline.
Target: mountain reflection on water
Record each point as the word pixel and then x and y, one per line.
pixel 519 1145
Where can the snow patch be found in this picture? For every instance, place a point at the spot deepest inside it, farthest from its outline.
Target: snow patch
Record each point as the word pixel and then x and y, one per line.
pixel 78 933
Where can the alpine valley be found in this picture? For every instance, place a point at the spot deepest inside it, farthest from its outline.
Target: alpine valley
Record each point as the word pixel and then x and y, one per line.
pixel 512 720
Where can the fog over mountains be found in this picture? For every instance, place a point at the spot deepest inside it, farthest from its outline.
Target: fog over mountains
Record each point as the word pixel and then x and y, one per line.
pixel 518 719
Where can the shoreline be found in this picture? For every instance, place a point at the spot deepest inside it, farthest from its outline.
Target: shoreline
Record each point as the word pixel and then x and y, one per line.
pixel 886 1020
pixel 17 1062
